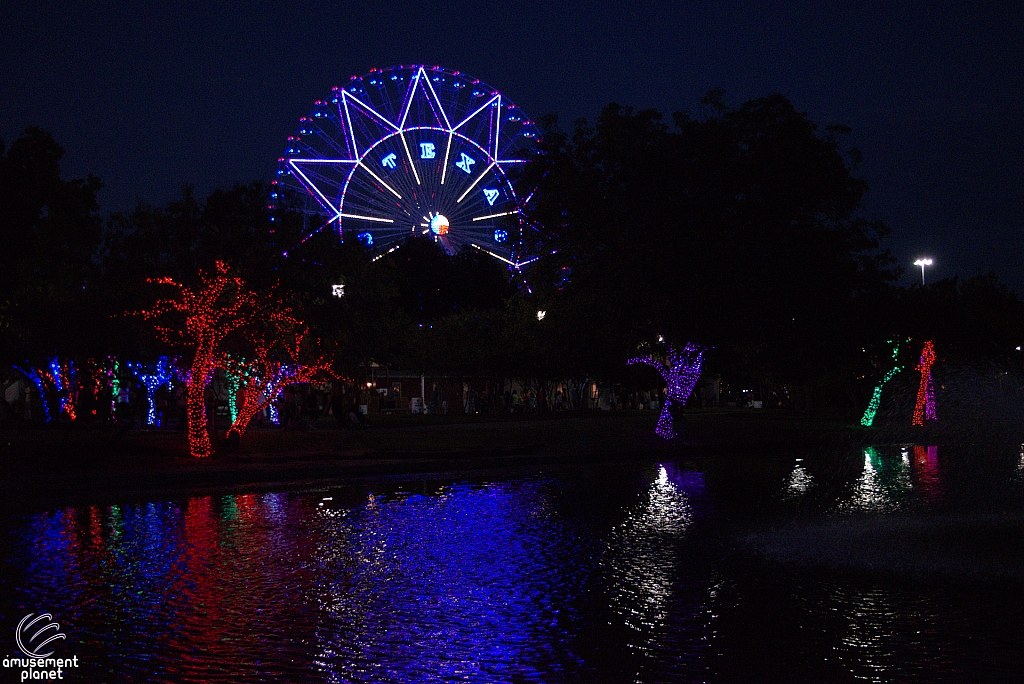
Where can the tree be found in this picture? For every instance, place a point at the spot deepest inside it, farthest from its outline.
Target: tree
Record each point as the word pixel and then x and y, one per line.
pixel 50 230
pixel 201 320
pixel 741 230
pixel 264 377
pixel 680 370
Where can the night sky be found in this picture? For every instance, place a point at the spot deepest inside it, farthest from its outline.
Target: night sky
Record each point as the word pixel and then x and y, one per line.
pixel 151 98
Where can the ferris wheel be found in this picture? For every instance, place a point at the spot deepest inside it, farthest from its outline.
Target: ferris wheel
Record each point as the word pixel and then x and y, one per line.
pixel 413 151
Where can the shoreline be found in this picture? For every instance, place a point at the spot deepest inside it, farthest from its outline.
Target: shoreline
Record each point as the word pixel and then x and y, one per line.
pixel 51 467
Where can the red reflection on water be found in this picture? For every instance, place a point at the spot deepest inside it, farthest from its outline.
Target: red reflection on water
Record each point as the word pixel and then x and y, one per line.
pixel 926 474
pixel 198 639
pixel 95 528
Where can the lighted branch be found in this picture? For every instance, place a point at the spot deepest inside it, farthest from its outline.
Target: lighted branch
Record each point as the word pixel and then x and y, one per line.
pixel 262 379
pixel 56 382
pixel 876 397
pixel 680 371
pixel 218 307
pixel 924 409
pixel 152 377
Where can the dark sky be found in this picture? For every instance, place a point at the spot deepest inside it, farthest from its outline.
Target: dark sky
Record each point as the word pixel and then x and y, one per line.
pixel 153 97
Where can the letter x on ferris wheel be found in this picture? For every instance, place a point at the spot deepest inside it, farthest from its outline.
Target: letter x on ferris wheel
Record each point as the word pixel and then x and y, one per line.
pixel 414 151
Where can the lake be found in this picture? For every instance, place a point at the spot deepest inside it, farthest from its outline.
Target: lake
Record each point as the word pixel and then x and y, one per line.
pixel 890 563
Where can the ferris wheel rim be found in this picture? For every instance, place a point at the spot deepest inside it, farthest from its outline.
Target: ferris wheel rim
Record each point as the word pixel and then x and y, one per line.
pixel 344 211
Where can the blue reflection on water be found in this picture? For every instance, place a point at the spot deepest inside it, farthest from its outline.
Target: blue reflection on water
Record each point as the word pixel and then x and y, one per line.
pixel 484 581
pixel 595 574
pixel 464 583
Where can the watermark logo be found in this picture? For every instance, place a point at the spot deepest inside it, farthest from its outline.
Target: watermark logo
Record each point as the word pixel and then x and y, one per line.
pixel 34 635
pixel 36 632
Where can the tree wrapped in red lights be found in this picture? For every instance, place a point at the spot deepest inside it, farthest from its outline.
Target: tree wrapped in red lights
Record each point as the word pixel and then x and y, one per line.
pixel 220 306
pixel 262 379
pixel 924 409
pixel 680 371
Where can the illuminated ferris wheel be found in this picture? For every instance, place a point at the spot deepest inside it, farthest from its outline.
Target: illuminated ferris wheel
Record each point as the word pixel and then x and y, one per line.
pixel 413 151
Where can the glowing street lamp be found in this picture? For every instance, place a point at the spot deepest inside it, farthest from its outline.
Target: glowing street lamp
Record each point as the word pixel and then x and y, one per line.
pixel 922 263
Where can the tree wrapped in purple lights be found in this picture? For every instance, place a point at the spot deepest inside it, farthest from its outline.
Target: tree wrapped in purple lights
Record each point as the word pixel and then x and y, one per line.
pixel 680 369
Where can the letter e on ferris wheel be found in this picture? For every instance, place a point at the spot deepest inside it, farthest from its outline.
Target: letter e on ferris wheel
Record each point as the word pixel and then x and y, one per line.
pixel 413 151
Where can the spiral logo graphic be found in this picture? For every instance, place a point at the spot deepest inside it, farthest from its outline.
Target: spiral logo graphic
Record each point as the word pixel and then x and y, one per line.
pixel 35 633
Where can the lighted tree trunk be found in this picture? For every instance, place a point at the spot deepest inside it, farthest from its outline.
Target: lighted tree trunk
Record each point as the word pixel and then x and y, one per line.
pixel 152 377
pixel 195 405
pixel 680 371
pixel 876 397
pixel 924 409
pixel 219 307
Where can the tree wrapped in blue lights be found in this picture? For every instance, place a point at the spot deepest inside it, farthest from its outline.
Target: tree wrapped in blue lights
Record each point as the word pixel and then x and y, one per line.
pixel 681 370
pixel 153 376
pixel 876 398
pixel 57 382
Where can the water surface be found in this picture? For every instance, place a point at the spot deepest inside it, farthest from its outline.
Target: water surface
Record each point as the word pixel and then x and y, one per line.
pixel 751 568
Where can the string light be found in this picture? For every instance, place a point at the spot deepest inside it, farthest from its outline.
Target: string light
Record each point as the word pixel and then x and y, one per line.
pixel 152 378
pixel 220 306
pixel 236 370
pixel 924 409
pixel 64 377
pixel 57 382
pixel 876 397
pixel 680 371
pixel 265 378
pixel 114 373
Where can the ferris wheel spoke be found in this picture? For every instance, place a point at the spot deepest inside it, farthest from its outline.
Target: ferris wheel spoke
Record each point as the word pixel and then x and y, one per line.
pixel 447 152
pixel 379 180
pixel 491 216
pixel 473 184
pixel 407 150
pixel 366 218
pixel 412 164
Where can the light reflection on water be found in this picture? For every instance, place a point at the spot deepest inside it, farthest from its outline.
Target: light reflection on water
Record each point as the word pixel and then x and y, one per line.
pixel 890 482
pixel 799 481
pixel 618 573
pixel 639 566
pixel 455 585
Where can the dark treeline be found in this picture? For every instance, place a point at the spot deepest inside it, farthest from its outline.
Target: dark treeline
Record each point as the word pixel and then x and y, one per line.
pixel 741 231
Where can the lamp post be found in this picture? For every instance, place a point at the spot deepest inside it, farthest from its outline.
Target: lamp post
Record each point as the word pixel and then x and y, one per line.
pixel 922 263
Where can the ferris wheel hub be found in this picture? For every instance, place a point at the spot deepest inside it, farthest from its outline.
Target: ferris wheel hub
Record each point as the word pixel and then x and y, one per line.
pixel 439 225
pixel 376 159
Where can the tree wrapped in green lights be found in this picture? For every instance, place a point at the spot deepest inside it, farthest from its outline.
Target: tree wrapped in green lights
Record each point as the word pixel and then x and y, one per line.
pixel 868 419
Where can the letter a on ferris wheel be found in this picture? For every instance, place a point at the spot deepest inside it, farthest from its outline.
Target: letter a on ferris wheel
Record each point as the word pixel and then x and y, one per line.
pixel 413 151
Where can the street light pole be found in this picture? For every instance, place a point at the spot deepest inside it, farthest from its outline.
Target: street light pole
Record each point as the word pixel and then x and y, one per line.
pixel 922 263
